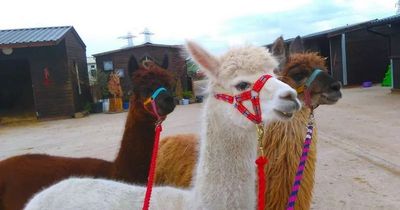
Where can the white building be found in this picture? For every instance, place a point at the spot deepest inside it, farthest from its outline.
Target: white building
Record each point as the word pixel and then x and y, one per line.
pixel 92 69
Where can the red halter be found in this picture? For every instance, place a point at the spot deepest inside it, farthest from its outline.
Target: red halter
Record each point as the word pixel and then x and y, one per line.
pixel 252 95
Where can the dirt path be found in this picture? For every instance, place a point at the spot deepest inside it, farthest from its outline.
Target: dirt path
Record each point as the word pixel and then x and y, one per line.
pixel 358 150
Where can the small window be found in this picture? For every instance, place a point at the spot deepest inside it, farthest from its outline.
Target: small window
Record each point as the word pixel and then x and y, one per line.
pixel 108 65
pixel 92 66
pixel 120 72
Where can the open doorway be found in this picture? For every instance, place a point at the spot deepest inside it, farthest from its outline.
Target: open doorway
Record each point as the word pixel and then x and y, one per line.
pixel 16 93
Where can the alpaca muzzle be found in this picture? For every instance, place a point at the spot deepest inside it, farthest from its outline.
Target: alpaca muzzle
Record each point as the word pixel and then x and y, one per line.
pixel 151 100
pixel 305 88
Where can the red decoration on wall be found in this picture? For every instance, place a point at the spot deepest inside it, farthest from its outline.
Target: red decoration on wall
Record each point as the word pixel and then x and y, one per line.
pixel 46 77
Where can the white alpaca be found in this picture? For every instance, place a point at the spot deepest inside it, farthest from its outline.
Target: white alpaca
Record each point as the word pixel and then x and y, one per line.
pixel 225 177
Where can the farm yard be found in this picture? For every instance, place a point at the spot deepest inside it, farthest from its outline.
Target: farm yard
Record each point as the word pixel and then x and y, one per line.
pixel 83 95
pixel 358 164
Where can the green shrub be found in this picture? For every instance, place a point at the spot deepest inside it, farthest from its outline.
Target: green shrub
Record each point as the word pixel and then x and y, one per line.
pixel 187 94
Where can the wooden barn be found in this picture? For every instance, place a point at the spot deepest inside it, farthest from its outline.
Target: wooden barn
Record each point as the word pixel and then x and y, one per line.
pixel 120 60
pixel 43 73
pixel 360 52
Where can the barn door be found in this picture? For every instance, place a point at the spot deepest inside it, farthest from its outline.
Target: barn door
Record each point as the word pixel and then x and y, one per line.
pixel 16 92
pixel 336 58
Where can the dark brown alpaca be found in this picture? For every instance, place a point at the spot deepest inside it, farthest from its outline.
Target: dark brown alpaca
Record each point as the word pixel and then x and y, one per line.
pixel 22 176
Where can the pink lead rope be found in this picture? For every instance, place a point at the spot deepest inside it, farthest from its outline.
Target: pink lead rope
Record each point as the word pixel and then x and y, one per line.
pixel 307 141
pixel 302 165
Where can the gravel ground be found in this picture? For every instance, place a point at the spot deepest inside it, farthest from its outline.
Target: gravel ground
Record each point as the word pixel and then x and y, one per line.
pixel 358 150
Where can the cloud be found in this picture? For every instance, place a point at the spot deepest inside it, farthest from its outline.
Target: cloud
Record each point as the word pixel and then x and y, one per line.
pixel 216 24
pixel 306 19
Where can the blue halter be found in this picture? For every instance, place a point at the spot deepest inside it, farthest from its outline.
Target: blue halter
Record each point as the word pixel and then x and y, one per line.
pixel 155 94
pixel 151 100
pixel 312 77
pixel 309 81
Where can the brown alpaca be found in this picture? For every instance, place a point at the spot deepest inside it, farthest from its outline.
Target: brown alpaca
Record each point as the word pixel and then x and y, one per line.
pixel 283 140
pixel 22 176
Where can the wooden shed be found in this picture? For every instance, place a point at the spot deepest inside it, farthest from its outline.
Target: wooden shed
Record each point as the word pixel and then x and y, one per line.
pixel 120 60
pixel 43 72
pixel 360 52
pixel 390 29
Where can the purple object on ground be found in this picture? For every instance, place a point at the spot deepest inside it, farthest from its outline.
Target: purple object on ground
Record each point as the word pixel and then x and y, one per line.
pixel 367 84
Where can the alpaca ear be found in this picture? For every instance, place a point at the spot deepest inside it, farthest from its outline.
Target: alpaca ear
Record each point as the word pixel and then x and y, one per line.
pixel 279 51
pixel 132 65
pixel 165 62
pixel 296 46
pixel 208 62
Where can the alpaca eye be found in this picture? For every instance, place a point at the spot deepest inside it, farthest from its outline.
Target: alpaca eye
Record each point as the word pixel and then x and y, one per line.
pixel 299 76
pixel 242 86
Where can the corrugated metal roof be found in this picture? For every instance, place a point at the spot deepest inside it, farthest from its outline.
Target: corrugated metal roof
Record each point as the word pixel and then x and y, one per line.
pixel 391 19
pixel 356 26
pixel 27 36
pixel 347 28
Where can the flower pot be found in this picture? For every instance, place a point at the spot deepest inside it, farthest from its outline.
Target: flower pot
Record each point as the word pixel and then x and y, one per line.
pixel 106 105
pixel 184 102
pixel 126 105
pixel 115 105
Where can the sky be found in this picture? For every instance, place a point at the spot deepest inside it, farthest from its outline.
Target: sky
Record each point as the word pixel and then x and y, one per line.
pixel 215 24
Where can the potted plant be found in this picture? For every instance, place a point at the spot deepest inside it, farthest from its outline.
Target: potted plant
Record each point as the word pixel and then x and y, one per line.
pixel 114 86
pixel 187 96
pixel 100 92
pixel 126 99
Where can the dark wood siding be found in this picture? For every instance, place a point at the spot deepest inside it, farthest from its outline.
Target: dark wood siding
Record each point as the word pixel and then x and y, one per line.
pixel 121 58
pixel 76 54
pixel 57 97
pixel 367 57
pixel 336 58
pixel 395 48
pixel 320 45
pixel 54 99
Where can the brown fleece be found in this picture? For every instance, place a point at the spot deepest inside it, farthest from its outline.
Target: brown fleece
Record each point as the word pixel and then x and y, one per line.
pixel 22 176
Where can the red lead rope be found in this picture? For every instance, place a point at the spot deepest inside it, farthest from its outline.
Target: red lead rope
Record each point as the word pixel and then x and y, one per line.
pixel 158 129
pixel 262 183
pixel 150 181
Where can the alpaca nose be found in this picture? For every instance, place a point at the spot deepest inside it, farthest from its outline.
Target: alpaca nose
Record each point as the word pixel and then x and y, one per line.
pixel 168 99
pixel 165 103
pixel 335 86
pixel 290 96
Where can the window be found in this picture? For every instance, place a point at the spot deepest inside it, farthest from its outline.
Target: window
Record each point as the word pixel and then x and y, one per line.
pixel 92 66
pixel 120 72
pixel 108 65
